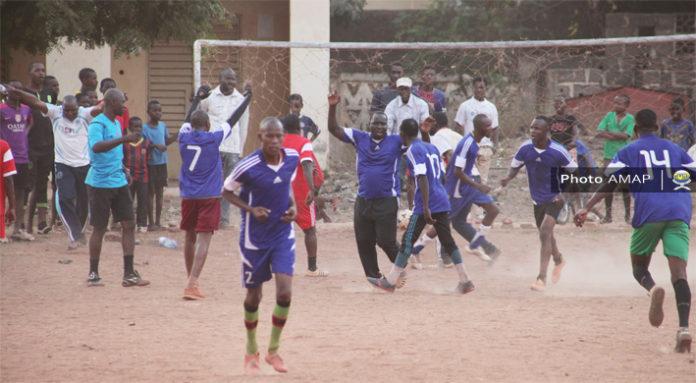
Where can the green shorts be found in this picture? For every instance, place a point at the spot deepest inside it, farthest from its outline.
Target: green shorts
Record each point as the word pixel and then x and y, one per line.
pixel 674 235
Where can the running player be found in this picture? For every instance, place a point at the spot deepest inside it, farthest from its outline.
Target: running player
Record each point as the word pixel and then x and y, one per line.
pixel 464 191
pixel 542 156
pixel 200 183
pixel 377 201
pixel 656 216
pixel 431 207
pixel 267 237
pixel 304 189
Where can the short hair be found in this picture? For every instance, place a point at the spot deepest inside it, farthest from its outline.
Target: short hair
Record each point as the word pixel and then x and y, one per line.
pixel 396 63
pixel 49 78
pixel 479 117
pixel 79 96
pixel 409 127
pixel 291 123
pixel 134 119
pixel 440 119
pixel 105 80
pixel 295 96
pixel 84 72
pixel 678 101
pixel 646 119
pixel 199 119
pixel 266 122
pixel 625 97
pixel 378 113
pixel 479 79
pixel 546 120
pixel 152 103
pixel 31 65
pixel 70 99
pixel 429 67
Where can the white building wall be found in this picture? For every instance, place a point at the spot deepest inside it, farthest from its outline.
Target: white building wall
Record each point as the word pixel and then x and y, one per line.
pixel 65 64
pixel 309 68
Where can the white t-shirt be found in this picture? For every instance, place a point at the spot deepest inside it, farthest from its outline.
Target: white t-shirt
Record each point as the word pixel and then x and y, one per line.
pixel 219 108
pixel 397 112
pixel 445 139
pixel 71 143
pixel 469 109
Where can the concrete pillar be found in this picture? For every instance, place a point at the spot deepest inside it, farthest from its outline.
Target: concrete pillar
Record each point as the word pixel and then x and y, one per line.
pixel 65 64
pixel 309 68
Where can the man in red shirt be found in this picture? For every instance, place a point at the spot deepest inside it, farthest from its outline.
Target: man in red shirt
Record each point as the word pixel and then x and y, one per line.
pixel 303 189
pixel 7 170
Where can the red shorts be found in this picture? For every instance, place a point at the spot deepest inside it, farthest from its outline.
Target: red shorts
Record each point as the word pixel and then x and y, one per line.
pixel 306 217
pixel 200 215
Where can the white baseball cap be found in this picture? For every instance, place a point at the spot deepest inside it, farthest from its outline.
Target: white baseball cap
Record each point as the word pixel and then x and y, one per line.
pixel 404 81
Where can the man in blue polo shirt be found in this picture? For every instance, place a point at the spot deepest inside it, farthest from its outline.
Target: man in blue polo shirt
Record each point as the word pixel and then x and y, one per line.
pixel 662 211
pixel 108 188
pixel 431 206
pixel 543 158
pixel 376 206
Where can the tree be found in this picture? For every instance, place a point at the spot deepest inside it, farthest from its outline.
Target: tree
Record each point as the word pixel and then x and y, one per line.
pixel 347 12
pixel 38 26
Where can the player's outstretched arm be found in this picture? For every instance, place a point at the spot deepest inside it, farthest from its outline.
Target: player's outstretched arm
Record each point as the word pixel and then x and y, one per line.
pixel 425 128
pixel 335 130
pixel 237 114
pixel 511 174
pixel 201 94
pixel 603 192
pixel 28 99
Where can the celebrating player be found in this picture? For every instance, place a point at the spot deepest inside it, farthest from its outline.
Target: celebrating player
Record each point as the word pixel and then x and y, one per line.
pixel 431 207
pixel 542 156
pixel 376 205
pixel 267 238
pixel 200 183
pixel 656 216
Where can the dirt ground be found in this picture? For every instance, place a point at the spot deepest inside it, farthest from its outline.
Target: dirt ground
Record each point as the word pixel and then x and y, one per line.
pixel 592 326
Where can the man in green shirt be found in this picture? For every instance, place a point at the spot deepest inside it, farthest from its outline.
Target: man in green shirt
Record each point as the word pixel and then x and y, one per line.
pixel 617 129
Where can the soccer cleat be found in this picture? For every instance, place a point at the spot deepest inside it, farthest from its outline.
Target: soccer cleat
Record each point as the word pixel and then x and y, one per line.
pixel 539 285
pixel 557 269
pixel 277 363
pixel 683 340
pixel 417 249
pixel 94 280
pixel 193 294
pixel 43 228
pixel 4 240
pixel 317 273
pixel 415 262
pixel 479 253
pixel 465 288
pixel 401 280
pixel 251 364
pixel 655 314
pixel 133 279
pixel 494 254
pixel 22 236
pixel 382 283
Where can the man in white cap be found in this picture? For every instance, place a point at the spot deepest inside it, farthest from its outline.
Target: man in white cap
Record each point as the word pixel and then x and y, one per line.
pixel 406 106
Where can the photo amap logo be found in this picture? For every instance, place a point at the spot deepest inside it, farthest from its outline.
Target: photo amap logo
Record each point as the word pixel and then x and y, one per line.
pixel 681 178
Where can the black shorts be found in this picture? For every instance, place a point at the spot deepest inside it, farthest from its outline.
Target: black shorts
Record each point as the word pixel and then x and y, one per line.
pixel 103 201
pixel 23 178
pixel 416 225
pixel 157 175
pixel 551 209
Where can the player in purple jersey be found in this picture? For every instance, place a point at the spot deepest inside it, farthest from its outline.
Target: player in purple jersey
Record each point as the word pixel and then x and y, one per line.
pixel 657 215
pixel 200 183
pixel 543 157
pixel 267 238
pixel 431 207
pixel 464 191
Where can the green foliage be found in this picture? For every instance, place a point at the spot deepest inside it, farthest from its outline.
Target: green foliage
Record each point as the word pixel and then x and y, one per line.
pixel 38 26
pixel 347 12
